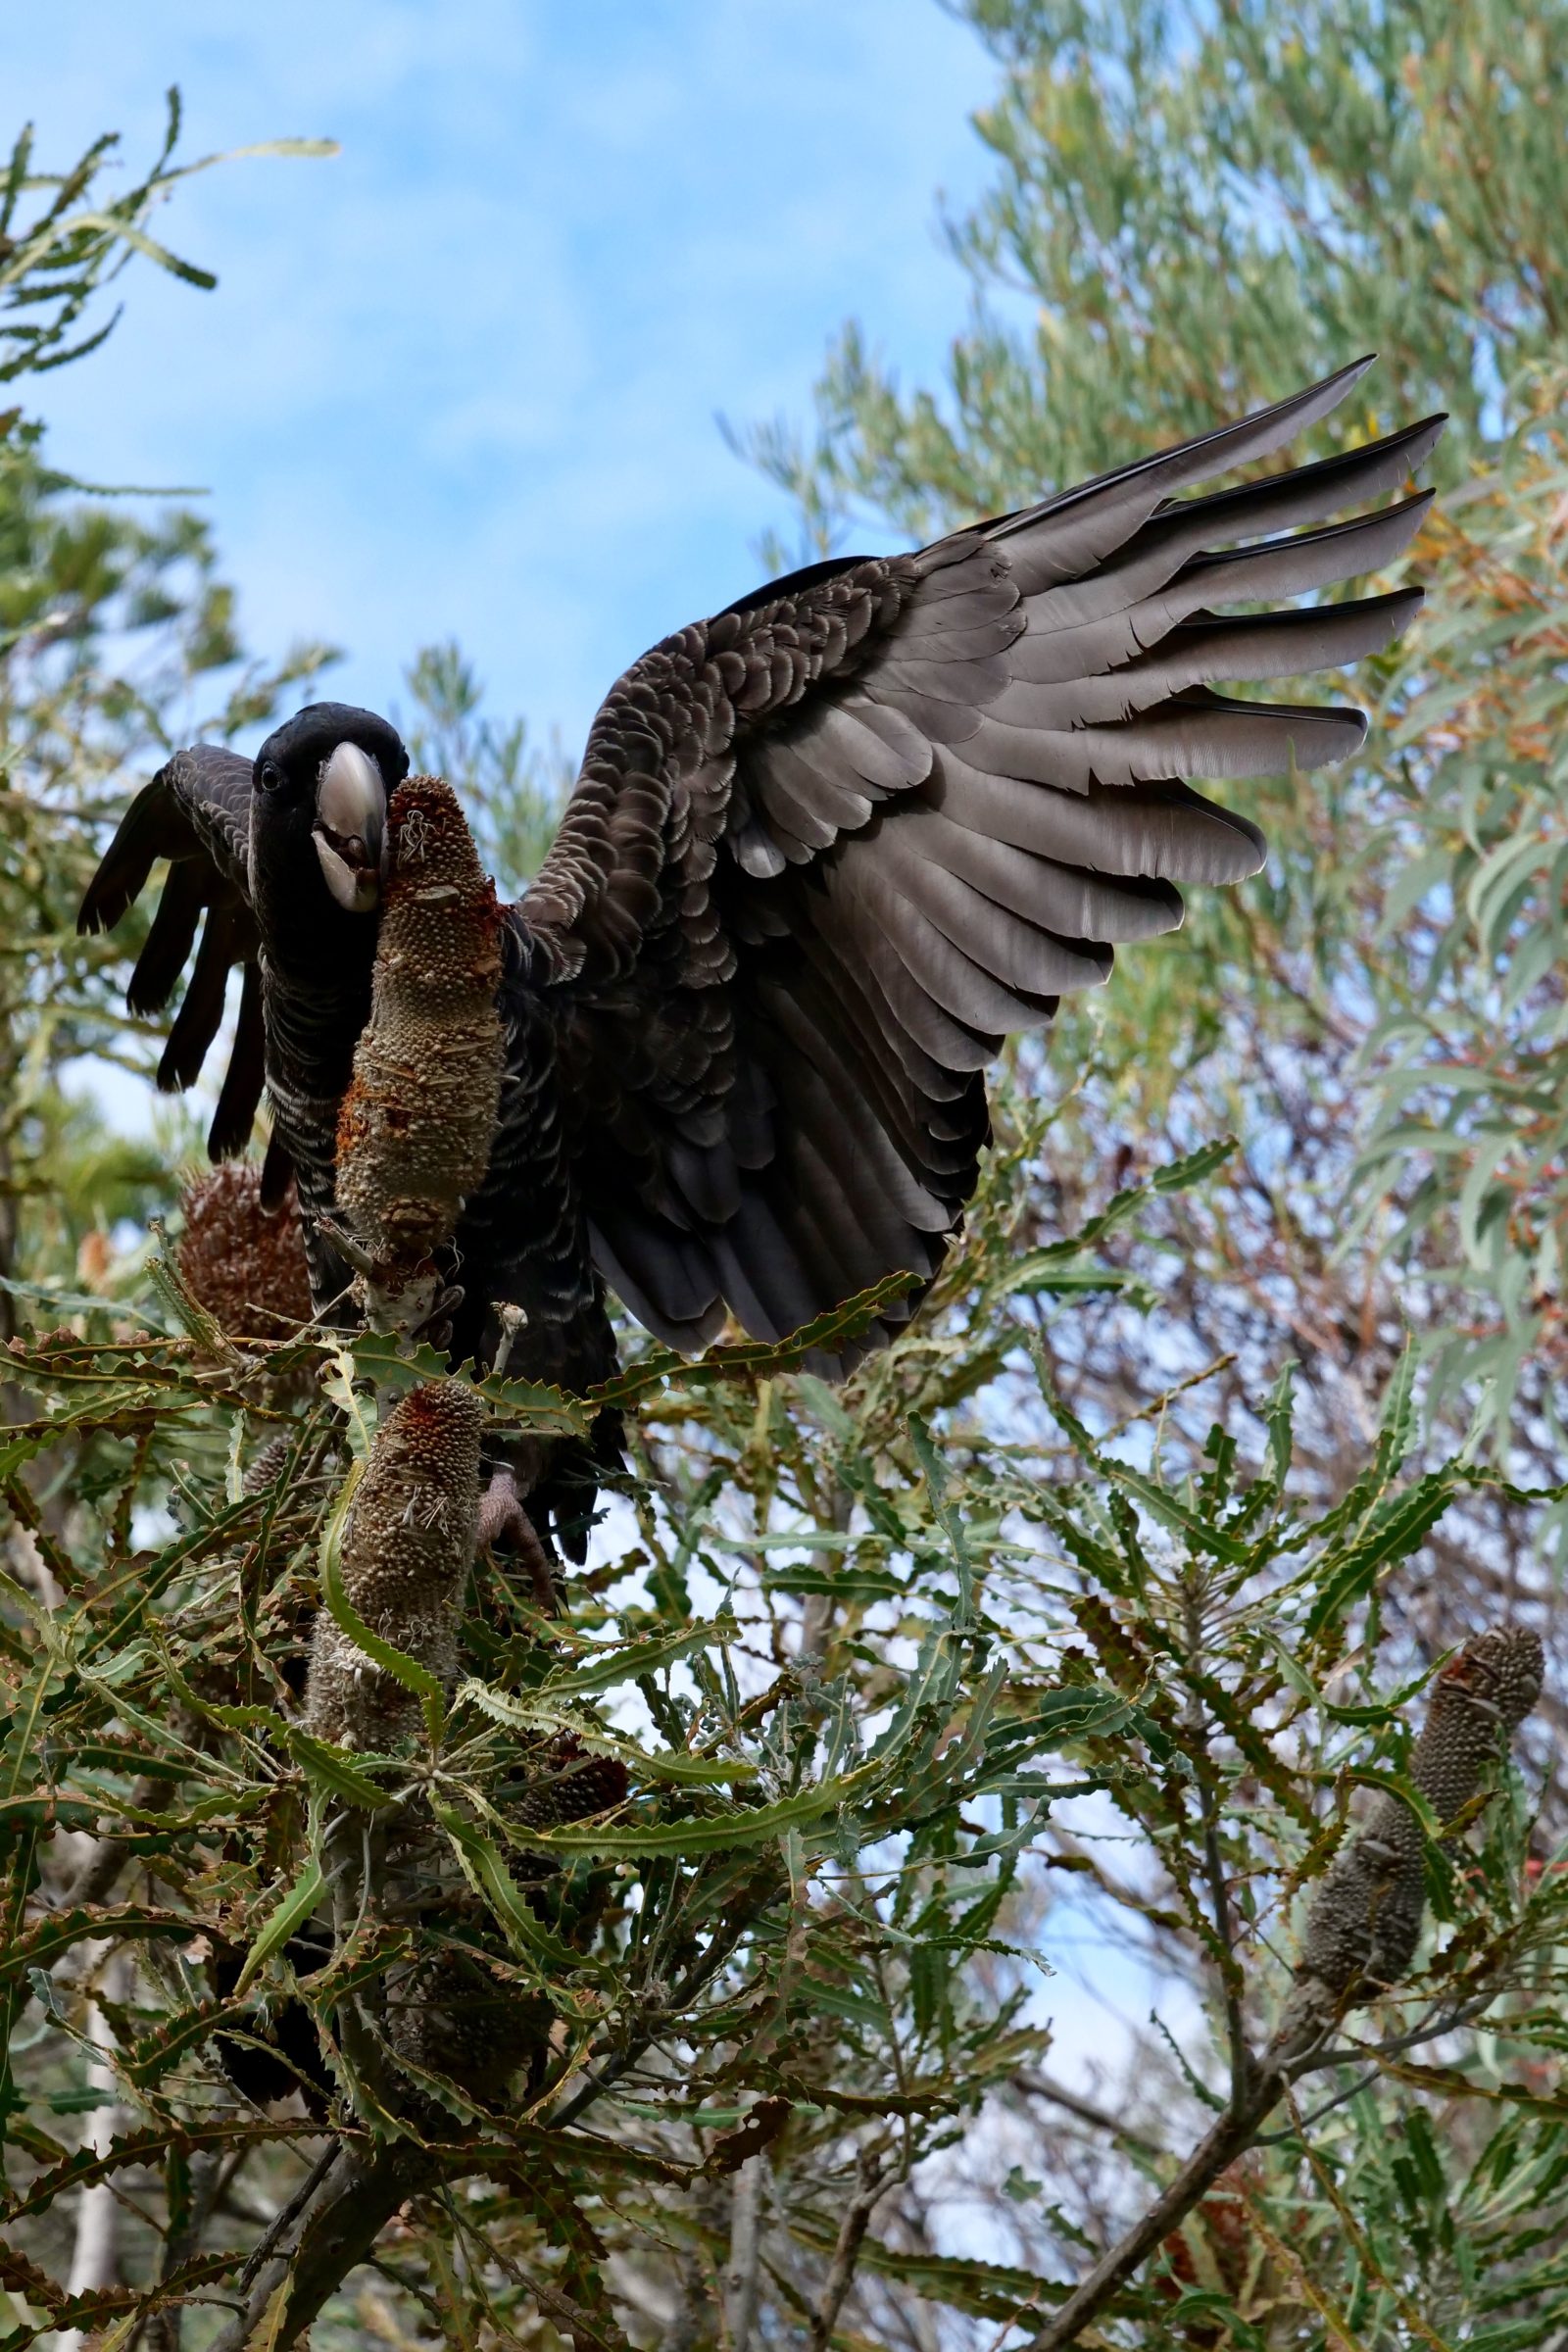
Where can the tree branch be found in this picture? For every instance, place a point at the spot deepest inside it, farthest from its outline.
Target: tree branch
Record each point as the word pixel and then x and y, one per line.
pixel 338 2225
pixel 1041 2087
pixel 840 2272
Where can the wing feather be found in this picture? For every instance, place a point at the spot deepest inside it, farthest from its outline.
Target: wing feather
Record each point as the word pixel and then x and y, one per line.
pixel 240 1097
pixel 195 814
pixel 879 815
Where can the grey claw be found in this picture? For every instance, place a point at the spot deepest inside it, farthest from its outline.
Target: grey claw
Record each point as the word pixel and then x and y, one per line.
pixel 506 1527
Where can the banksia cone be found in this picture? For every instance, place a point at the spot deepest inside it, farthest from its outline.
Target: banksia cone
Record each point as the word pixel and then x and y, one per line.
pixel 450 2016
pixel 1366 1923
pixel 406 1546
pixel 244 1263
pixel 417 1123
pixel 572 1786
pixel 269 1464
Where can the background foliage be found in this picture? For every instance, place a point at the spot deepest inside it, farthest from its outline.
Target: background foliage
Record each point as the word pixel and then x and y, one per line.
pixel 1074 1621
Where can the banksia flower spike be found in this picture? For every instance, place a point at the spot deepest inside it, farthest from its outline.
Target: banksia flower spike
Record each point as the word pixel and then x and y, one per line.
pixel 243 1262
pixel 418 1120
pixel 408 1544
pixel 449 2015
pixel 572 1786
pixel 1365 1920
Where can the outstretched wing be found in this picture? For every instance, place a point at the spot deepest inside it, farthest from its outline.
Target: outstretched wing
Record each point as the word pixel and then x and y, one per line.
pixel 196 813
pixel 830 847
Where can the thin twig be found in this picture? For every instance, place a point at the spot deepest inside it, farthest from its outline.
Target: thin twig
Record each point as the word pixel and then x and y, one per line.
pixel 288 2215
pixel 740 2278
pixel 846 2254
pixel 1230 2137
pixel 1240 2063
pixel 1495 1675
pixel 1041 2087
pixel 621 2061
pixel 356 2195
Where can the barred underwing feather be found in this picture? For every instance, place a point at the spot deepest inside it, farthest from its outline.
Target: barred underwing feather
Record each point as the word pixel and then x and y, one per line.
pixel 1197 729
pixel 1052 896
pixel 1017 951
pixel 246 1075
pixel 1269 645
pixel 941 787
pixel 1160 830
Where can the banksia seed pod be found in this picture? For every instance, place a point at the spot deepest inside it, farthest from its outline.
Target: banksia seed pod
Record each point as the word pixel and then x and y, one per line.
pixel 269 1464
pixel 244 1263
pixel 572 1786
pixel 450 2016
pixel 406 1546
pixel 1366 1921
pixel 1477 1702
pixel 417 1121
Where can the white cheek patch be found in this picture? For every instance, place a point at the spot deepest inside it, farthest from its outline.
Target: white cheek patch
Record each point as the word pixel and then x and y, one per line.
pixel 355 891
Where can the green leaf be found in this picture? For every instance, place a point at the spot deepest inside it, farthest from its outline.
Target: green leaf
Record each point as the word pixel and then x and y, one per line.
pixel 1074 1712
pixel 335 1771
pixel 988 2291
pixel 754 1359
pixel 1178 1516
pixel 745 1826
pixel 393 1366
pixel 534 1713
pixel 484 1867
pixel 290 1912
pixel 627 1660
pixel 43 1943
pixel 1392 1531
pixel 1195 1166
pixel 358 1410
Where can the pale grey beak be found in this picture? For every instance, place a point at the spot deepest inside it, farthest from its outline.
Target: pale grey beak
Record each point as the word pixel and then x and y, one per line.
pixel 350 821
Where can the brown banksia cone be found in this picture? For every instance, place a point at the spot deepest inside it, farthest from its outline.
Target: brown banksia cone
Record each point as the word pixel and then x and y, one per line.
pixel 572 1786
pixel 407 1544
pixel 244 1263
pixel 1365 1920
pixel 453 2016
pixel 450 2014
pixel 417 1121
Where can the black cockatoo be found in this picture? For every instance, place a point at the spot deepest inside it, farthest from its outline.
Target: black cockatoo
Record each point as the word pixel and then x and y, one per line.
pixel 828 849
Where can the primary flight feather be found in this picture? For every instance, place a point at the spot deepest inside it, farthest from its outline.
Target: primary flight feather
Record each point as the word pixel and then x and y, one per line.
pixel 826 851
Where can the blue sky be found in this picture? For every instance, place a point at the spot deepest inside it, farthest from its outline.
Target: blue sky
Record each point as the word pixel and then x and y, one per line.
pixel 463 381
